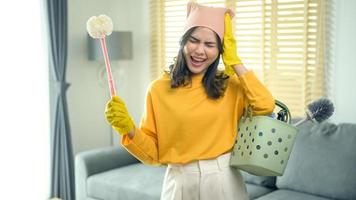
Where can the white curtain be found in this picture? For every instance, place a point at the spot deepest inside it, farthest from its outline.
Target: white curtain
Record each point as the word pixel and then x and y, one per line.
pixel 24 102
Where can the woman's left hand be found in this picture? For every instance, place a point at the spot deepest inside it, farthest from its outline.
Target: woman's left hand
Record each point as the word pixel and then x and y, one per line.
pixel 229 56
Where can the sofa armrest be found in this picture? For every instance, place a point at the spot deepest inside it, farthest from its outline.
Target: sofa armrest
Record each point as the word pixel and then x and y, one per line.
pixel 95 161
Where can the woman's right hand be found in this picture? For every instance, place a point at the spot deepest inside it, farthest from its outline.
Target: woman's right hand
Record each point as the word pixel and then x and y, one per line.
pixel 118 117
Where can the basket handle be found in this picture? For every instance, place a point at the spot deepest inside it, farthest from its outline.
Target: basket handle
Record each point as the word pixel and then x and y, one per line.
pixel 248 111
pixel 285 108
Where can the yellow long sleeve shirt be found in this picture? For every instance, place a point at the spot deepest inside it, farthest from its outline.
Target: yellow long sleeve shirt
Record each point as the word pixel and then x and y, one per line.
pixel 182 124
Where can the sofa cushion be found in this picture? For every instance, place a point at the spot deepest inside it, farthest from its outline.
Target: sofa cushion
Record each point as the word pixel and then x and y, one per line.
pixel 323 161
pixel 255 191
pixel 266 181
pixel 290 195
pixel 136 181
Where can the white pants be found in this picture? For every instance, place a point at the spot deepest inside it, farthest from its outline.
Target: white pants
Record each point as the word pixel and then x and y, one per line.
pixel 210 179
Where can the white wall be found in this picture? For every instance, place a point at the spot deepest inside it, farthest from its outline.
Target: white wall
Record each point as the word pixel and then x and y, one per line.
pixel 87 94
pixel 344 68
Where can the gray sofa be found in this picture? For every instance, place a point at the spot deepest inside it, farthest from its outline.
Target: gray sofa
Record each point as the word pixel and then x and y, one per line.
pixel 322 166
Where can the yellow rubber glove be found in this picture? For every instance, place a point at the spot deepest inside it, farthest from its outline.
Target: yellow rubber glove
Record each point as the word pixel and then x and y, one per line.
pixel 229 55
pixel 118 117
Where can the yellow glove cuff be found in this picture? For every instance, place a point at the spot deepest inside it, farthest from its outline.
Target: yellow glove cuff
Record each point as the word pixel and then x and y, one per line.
pixel 229 70
pixel 123 130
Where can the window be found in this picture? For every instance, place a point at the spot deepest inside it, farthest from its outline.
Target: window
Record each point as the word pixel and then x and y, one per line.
pixel 282 41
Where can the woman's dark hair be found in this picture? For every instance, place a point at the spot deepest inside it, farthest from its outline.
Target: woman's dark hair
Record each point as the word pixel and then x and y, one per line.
pixel 213 81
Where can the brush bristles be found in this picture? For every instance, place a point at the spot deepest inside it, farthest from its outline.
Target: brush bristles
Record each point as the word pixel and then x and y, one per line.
pixel 321 109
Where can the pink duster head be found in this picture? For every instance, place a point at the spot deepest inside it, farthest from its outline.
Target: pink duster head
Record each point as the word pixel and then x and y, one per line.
pixel 210 17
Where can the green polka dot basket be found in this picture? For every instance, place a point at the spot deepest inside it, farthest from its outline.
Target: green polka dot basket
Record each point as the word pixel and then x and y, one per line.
pixel 263 144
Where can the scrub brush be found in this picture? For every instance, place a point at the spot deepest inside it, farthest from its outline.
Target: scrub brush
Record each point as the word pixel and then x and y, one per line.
pixel 98 27
pixel 319 110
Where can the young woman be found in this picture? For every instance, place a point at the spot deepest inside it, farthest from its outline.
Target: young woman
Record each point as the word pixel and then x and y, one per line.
pixel 192 112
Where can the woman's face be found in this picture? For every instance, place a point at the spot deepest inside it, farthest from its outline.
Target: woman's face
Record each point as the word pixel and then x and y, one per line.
pixel 201 50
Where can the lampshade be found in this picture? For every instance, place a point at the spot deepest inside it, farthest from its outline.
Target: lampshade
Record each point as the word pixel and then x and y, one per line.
pixel 119 46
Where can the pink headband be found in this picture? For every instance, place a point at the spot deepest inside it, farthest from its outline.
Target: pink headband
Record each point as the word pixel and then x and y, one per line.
pixel 213 18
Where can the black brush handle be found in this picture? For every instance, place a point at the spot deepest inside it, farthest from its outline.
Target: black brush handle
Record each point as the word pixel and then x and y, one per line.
pixel 285 108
